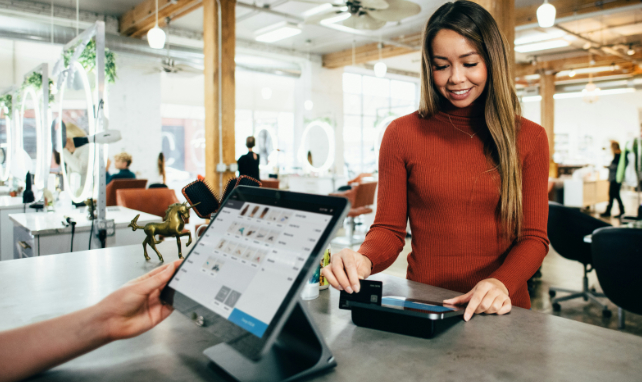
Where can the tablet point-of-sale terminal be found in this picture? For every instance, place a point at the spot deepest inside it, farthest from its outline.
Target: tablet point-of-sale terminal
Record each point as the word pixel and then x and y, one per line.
pixel 242 280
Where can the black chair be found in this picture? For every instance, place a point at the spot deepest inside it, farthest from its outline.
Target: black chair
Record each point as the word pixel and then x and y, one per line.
pixel 567 228
pixel 157 185
pixel 617 259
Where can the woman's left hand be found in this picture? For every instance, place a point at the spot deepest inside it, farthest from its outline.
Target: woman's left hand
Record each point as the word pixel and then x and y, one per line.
pixel 489 296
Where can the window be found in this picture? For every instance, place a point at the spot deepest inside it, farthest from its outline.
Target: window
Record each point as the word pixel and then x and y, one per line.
pixel 369 104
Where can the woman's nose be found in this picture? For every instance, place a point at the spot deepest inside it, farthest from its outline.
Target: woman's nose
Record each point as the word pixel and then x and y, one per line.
pixel 457 76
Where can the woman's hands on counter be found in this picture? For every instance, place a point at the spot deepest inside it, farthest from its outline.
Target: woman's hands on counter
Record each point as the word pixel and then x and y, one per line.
pixel 136 307
pixel 489 296
pixel 346 268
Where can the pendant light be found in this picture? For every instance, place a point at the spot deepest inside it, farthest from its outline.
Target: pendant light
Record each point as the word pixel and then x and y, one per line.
pixel 380 67
pixel 156 36
pixel 591 92
pixel 546 15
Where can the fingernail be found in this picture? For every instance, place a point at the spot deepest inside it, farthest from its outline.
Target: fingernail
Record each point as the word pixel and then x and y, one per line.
pixel 340 287
pixel 348 289
pixel 356 287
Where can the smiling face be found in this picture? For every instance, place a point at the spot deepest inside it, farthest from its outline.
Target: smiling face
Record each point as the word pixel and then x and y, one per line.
pixel 458 70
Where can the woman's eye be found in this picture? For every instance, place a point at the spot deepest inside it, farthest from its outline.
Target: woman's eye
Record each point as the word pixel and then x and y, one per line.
pixel 437 67
pixel 470 65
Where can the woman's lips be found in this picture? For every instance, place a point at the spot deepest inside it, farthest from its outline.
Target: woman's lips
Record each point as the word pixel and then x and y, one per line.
pixel 461 96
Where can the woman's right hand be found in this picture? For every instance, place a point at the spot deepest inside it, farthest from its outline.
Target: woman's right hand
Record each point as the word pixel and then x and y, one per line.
pixel 346 268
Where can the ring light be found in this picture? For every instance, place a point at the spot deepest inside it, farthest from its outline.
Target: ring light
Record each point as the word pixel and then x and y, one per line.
pixel 381 129
pixel 7 162
pixel 302 152
pixel 87 191
pixel 39 181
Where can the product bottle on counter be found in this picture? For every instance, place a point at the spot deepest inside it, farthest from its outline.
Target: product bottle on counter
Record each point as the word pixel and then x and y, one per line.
pixel 325 261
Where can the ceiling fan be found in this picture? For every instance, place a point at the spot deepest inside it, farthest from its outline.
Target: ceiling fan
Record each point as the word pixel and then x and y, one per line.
pixel 168 65
pixel 365 14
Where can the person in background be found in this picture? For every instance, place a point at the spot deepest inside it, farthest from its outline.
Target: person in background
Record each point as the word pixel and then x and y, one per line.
pixel 122 162
pixel 249 163
pixel 76 158
pixel 128 312
pixel 159 179
pixel 614 186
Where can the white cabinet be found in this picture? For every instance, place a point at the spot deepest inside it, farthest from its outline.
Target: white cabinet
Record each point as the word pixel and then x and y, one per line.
pixel 39 234
pixel 578 193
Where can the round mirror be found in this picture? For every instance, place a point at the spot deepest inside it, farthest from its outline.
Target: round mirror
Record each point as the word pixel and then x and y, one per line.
pixel 30 113
pixel 5 143
pixel 316 151
pixel 381 130
pixel 74 123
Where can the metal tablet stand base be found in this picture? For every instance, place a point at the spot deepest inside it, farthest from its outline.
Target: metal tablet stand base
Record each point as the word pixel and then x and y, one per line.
pixel 298 351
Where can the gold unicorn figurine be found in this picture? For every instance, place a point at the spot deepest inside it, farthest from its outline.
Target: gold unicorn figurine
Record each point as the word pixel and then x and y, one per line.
pixel 172 226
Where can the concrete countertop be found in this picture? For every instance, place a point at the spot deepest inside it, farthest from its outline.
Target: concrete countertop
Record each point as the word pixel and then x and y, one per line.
pixel 52 222
pixel 11 202
pixel 522 346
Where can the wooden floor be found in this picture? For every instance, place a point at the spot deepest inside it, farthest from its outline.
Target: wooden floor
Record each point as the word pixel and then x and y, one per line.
pixel 560 272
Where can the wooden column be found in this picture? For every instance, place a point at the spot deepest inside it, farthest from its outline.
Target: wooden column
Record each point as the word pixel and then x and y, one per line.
pixel 211 72
pixel 503 11
pixel 547 108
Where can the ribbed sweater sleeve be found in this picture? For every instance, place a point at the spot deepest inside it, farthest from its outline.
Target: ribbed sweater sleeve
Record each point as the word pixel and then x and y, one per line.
pixel 386 237
pixel 526 256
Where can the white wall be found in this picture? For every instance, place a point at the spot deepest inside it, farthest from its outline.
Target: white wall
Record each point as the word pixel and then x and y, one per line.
pixel 135 110
pixel 18 58
pixel 612 117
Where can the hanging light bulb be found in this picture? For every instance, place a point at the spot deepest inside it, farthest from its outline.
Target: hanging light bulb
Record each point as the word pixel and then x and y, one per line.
pixel 630 52
pixel 546 15
pixel 380 67
pixel 156 36
pixel 571 73
pixel 308 105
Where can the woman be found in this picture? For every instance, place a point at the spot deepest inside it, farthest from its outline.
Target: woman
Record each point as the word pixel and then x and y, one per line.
pixel 614 186
pixel 468 172
pixel 159 179
pixel 76 158
pixel 249 163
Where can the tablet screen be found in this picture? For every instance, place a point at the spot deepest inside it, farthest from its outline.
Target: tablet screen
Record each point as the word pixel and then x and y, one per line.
pixel 247 260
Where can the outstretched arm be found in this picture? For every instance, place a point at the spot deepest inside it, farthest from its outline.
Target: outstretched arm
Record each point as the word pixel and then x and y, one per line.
pixel 129 311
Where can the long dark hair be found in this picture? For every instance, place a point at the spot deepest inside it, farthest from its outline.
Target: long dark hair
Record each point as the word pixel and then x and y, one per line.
pixel 502 109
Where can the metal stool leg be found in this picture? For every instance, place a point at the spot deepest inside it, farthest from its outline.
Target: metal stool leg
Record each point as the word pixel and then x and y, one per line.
pixel 620 318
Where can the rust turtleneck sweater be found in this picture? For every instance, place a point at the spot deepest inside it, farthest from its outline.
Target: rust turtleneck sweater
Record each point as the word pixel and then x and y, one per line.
pixel 438 177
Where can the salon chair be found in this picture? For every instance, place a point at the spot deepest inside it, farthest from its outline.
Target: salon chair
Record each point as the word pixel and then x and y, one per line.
pixel 270 183
pixel 120 184
pixel 617 259
pixel 567 228
pixel 361 197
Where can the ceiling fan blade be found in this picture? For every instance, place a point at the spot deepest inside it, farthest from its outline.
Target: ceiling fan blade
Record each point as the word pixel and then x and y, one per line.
pixel 374 4
pixel 315 19
pixel 363 22
pixel 397 10
pixel 334 4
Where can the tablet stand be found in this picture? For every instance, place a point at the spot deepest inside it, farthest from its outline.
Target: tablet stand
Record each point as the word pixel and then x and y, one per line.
pixel 299 350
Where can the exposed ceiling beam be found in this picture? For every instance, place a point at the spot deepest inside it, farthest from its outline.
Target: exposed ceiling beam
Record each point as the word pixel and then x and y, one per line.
pixel 140 19
pixel 370 52
pixel 555 66
pixel 566 8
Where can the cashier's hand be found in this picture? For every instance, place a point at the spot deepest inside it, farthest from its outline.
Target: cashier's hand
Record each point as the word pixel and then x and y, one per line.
pixel 346 268
pixel 489 296
pixel 136 307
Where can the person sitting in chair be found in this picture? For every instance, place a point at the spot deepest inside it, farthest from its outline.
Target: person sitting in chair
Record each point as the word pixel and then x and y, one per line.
pixel 122 162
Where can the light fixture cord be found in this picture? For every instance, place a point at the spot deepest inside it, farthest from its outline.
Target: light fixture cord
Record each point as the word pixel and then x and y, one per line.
pixel 77 15
pixel 52 27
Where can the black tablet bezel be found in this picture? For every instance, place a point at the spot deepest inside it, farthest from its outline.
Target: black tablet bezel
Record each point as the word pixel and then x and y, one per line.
pixel 284 199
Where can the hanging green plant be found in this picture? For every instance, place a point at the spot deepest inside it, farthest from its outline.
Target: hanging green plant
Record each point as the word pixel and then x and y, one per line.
pixel 6 101
pixel 88 60
pixel 35 80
